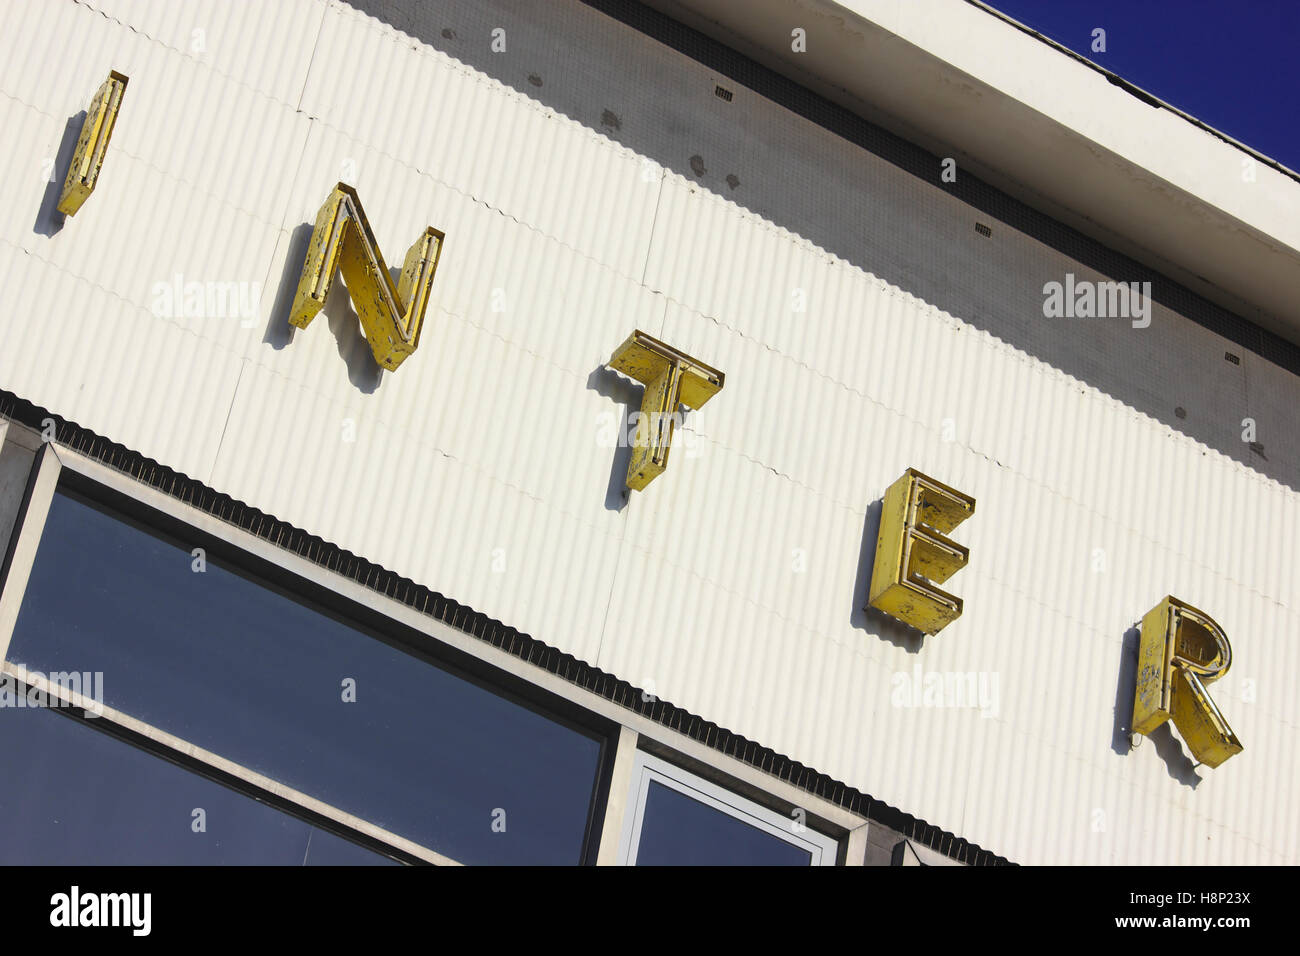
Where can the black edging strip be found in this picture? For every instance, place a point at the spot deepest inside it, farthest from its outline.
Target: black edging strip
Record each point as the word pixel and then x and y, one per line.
pixel 426 601
pixel 968 188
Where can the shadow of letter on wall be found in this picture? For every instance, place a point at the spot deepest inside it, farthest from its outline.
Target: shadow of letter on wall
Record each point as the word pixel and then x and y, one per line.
pixel 1124 742
pixel 605 381
pixel 48 218
pixel 864 617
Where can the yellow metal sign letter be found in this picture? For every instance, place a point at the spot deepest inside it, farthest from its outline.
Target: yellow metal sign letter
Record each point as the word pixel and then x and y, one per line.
pixel 92 144
pixel 1180 651
pixel 343 242
pixel 671 378
pixel 912 554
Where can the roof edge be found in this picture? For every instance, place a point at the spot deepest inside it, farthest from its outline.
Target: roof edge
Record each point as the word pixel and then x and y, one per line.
pixel 1049 128
pixel 1134 90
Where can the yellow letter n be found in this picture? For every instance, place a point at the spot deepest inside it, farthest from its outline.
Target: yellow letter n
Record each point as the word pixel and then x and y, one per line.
pixel 1180 651
pixel 912 554
pixel 343 242
pixel 671 378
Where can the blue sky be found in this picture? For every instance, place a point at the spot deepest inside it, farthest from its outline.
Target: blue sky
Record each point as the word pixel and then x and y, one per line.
pixel 1232 65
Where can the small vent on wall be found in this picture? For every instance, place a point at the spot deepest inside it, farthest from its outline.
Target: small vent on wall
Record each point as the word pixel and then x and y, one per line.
pixel 722 93
pixel 1234 359
pixel 983 230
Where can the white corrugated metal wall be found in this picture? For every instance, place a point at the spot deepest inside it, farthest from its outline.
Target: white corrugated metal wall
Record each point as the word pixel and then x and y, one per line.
pixel 733 585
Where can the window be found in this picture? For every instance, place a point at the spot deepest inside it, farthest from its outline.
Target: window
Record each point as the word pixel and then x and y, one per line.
pixel 178 690
pixel 210 655
pixel 679 819
pixel 87 798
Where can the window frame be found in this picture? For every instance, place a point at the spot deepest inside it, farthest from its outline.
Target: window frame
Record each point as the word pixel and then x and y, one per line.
pixel 626 733
pixel 650 769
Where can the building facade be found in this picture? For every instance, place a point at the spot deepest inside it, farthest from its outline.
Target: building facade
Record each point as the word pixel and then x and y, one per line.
pixel 321 609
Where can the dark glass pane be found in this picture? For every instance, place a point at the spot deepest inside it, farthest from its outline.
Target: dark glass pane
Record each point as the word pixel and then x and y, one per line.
pixel 678 830
pixel 243 671
pixel 75 796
